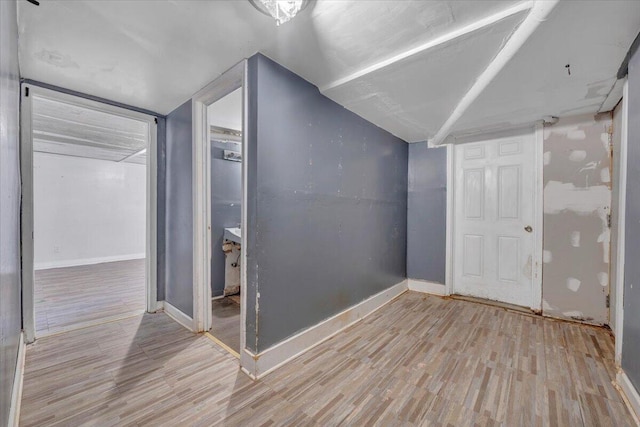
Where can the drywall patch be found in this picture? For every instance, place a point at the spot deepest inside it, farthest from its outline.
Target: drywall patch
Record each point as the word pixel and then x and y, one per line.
pixel 546 157
pixel 547 256
pixel 565 196
pixel 573 284
pixel 577 155
pixel 575 239
pixel 577 198
pixel 603 278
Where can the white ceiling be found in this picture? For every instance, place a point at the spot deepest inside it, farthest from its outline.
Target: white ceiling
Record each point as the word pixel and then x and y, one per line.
pixel 155 55
pixel 70 130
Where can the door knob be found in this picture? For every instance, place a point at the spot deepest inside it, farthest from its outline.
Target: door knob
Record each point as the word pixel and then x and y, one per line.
pixel 528 229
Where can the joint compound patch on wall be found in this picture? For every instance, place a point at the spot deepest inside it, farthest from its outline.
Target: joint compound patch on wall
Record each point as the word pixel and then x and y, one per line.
pixel 577 202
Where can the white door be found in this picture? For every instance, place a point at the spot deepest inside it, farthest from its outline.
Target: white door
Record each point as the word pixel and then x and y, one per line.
pixel 494 216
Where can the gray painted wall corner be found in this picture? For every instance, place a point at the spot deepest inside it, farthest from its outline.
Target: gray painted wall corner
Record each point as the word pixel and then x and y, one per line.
pixel 179 209
pixel 328 209
pixel 631 333
pixel 427 213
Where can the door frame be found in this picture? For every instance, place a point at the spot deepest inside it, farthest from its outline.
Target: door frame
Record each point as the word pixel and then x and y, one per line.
pixel 231 80
pixel 622 206
pixel 537 132
pixel 27 91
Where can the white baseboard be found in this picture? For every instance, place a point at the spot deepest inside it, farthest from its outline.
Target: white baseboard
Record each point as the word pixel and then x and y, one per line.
pixel 178 316
pixel 85 261
pixel 159 306
pixel 257 366
pixel 426 287
pixel 16 394
pixel 629 394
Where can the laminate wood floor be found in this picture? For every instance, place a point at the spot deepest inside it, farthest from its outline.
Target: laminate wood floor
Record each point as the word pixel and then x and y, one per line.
pixel 420 360
pixel 225 324
pixel 72 297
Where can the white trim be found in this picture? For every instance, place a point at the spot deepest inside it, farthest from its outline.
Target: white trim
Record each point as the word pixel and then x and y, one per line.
pixel 538 212
pixel 448 281
pixel 26 163
pixel 431 44
pixel 622 207
pixel 229 81
pixel 18 379
pixel 178 316
pixel 538 139
pixel 256 366
pixel 244 216
pixel 159 306
pixel 26 216
pixel 426 287
pixel 86 261
pixel 629 394
pixel 537 15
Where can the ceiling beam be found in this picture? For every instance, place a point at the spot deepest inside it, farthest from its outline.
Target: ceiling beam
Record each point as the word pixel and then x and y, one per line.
pixel 131 156
pixel 445 38
pixel 538 14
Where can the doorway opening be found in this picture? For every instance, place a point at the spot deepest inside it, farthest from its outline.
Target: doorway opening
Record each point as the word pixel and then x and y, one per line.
pixel 88 212
pixel 220 170
pixel 224 120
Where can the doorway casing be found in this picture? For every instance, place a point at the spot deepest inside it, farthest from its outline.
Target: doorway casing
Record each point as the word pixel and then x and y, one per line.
pixel 28 91
pixel 231 80
pixel 538 140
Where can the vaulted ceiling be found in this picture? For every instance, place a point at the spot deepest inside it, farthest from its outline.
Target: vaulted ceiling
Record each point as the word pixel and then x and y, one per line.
pixel 403 65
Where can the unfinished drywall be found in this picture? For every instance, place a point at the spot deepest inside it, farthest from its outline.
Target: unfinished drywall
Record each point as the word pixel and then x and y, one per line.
pixel 10 313
pixel 427 213
pixel 179 210
pixel 577 200
pixel 87 211
pixel 631 333
pixel 327 206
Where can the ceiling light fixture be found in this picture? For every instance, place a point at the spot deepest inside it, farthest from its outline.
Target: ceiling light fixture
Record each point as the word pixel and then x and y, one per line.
pixel 281 10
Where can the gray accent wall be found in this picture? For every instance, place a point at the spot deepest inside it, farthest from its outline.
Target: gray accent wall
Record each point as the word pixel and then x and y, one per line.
pixel 10 290
pixel 327 206
pixel 226 202
pixel 631 333
pixel 427 213
pixel 179 210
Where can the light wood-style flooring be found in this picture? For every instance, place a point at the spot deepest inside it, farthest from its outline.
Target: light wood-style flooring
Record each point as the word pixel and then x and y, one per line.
pixel 72 297
pixel 225 324
pixel 420 360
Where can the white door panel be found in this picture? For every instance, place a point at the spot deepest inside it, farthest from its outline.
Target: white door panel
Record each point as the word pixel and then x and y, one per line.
pixel 494 206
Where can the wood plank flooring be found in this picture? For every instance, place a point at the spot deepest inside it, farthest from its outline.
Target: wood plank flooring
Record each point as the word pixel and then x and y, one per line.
pixel 225 324
pixel 71 297
pixel 420 360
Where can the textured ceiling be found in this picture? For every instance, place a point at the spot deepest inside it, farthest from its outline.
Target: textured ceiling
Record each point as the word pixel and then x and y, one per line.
pixel 61 128
pixel 155 55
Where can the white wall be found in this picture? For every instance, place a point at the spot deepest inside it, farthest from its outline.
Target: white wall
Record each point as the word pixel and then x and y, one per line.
pixel 87 211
